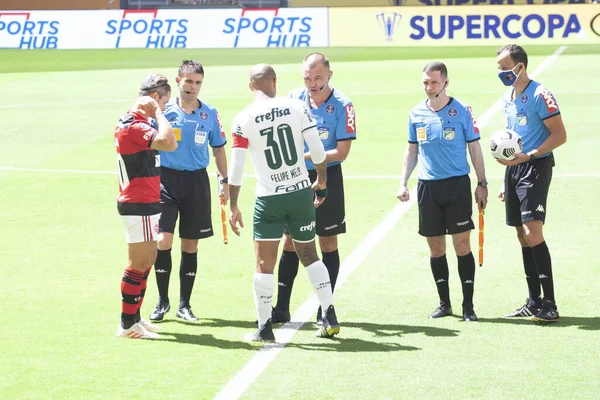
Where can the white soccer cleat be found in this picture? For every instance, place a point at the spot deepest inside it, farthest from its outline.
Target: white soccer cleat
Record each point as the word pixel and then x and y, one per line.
pixel 149 326
pixel 136 331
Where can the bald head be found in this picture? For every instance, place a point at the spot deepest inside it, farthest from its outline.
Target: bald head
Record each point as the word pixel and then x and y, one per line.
pixel 262 72
pixel 263 77
pixel 315 59
pixel 316 72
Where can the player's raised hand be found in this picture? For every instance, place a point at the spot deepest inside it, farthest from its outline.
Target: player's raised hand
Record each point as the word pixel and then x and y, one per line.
pixel 235 218
pixel 403 194
pixel 146 105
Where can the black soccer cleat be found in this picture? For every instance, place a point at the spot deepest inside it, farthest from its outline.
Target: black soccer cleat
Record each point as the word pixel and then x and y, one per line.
pixel 264 334
pixel 548 313
pixel 330 326
pixel 159 312
pixel 526 310
pixel 186 314
pixel 280 316
pixel 443 310
pixel 469 314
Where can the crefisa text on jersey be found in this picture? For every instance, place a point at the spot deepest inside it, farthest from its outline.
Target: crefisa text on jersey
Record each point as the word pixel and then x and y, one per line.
pixel 271 116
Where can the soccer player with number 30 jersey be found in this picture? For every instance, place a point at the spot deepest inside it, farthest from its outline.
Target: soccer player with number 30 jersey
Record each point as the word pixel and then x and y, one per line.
pixel 274 130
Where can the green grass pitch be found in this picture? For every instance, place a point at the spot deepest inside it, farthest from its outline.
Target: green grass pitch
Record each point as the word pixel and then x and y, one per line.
pixel 63 250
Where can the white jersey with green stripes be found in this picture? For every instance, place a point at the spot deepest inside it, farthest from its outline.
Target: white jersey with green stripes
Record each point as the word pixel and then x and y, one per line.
pixel 275 130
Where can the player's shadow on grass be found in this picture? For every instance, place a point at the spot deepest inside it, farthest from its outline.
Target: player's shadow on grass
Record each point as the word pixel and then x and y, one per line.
pixel 387 330
pixel 351 345
pixel 206 340
pixel 377 329
pixel 588 324
pixel 223 323
pixel 214 322
pixel 343 343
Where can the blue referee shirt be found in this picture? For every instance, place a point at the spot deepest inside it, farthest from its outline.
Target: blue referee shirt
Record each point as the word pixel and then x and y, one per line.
pixel 442 137
pixel 194 132
pixel 526 114
pixel 335 118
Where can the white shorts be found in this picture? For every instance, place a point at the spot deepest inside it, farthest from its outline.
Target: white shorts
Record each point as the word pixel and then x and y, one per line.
pixel 141 228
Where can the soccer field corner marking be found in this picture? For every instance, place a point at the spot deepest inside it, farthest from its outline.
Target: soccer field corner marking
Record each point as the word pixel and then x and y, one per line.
pixel 238 385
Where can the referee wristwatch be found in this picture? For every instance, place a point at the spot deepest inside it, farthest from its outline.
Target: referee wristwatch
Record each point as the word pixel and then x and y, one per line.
pixel 482 183
pixel 223 180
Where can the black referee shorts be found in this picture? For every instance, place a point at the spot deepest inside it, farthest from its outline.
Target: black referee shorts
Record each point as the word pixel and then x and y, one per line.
pixel 526 187
pixel 445 206
pixel 331 215
pixel 185 194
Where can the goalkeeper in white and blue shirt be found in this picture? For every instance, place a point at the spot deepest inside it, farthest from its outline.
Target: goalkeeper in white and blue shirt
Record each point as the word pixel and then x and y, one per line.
pixel 440 130
pixel 531 110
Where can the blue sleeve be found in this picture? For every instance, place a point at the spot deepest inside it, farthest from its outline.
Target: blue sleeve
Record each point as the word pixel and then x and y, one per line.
pixel 412 132
pixel 346 122
pixel 545 104
pixel 471 129
pixel 217 135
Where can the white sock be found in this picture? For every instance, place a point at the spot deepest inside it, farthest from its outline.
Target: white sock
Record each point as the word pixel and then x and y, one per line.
pixel 319 278
pixel 264 287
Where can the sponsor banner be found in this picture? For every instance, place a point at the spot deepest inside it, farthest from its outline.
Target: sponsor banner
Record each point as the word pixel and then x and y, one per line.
pixel 464 26
pixel 343 3
pixel 275 27
pixel 420 3
pixel 222 28
pixel 416 3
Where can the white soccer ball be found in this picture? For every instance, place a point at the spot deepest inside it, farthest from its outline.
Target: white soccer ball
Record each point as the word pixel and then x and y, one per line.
pixel 505 143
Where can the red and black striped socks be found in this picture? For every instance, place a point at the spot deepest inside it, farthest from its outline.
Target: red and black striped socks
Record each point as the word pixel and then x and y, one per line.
pixel 131 289
pixel 142 293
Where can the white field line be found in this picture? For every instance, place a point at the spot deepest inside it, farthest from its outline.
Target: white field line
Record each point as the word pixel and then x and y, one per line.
pixel 542 67
pixel 248 374
pixel 349 177
pixel 257 364
pixel 249 97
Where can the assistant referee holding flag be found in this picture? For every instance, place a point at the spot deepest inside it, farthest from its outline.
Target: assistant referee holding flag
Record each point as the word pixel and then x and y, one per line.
pixel 439 131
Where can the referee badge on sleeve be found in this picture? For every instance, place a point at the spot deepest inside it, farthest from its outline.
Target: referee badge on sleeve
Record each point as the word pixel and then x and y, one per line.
pixel 449 133
pixel 422 133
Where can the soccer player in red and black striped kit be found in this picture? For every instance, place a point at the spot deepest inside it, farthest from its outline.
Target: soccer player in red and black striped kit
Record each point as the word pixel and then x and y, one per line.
pixel 138 136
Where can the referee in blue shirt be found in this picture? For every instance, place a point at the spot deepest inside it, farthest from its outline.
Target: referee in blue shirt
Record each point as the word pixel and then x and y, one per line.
pixel 531 110
pixel 440 130
pixel 185 187
pixel 336 123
